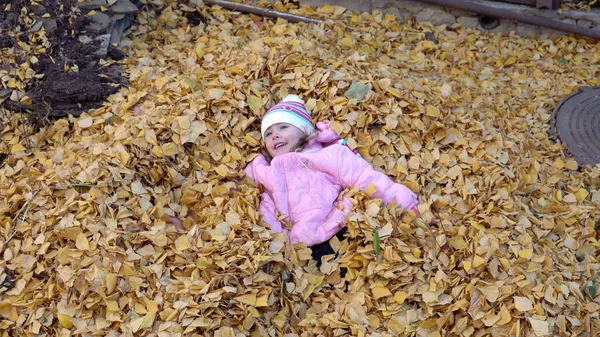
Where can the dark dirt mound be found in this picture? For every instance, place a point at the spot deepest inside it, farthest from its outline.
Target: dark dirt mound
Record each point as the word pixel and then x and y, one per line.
pixel 76 77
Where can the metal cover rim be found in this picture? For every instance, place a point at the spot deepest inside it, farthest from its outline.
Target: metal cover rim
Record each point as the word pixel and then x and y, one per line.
pixel 576 122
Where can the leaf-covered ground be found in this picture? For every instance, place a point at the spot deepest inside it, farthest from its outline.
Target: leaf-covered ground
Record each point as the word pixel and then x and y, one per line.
pixel 459 116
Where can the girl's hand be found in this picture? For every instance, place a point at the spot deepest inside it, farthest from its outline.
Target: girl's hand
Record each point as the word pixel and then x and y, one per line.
pixel 416 211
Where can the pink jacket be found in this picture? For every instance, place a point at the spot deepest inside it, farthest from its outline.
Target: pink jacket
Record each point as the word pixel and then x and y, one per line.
pixel 304 186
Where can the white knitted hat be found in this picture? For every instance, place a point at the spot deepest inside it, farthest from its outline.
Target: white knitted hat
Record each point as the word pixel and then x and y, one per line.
pixel 290 110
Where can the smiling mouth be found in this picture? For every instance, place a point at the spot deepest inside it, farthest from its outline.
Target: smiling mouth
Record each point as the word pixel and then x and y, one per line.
pixel 278 145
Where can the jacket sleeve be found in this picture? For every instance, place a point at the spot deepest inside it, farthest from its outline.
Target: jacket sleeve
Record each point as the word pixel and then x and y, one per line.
pixel 257 170
pixel 267 210
pixel 351 170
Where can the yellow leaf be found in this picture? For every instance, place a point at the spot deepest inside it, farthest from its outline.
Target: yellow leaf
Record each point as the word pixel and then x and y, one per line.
pixel 17 148
pixel 540 327
pixel 571 164
pixel 396 326
pixel 396 93
pixel 111 282
pixel 262 301
pixel 337 127
pixel 182 243
pixel 526 253
pixel 428 324
pixel 490 319
pixel 491 292
pixel 467 265
pixel 199 49
pixel 65 321
pixel 157 151
pixel 215 93
pixel 82 242
pixel 255 103
pixel 161 81
pixel 581 194
pixel 457 242
pixel 370 189
pixel 400 297
pixel 477 261
pixel 511 60
pixel 347 42
pixel 26 100
pixel 184 122
pixel 85 122
pixel 249 299
pixel 190 83
pixel 523 303
pixel 381 291
pixel 222 170
pixel 169 149
pixel 418 94
pixel 327 9
pixel 432 111
pixel 505 316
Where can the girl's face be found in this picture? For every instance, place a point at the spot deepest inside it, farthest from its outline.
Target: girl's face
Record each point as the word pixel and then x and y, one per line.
pixel 282 138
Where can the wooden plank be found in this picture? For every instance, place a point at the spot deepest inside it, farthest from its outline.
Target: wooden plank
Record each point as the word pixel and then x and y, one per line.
pixel 550 4
pixel 521 2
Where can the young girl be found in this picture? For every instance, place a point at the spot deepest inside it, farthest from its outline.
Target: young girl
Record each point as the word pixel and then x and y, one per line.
pixel 304 170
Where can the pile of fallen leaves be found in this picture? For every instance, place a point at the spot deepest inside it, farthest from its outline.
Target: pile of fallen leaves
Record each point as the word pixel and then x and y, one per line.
pixel 585 5
pixel 459 116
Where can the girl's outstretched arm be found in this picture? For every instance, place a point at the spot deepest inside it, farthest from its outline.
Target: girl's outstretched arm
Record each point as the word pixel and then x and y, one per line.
pixel 257 170
pixel 268 213
pixel 350 170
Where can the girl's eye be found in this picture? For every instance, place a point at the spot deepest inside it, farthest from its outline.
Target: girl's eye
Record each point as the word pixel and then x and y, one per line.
pixel 283 127
pixel 267 134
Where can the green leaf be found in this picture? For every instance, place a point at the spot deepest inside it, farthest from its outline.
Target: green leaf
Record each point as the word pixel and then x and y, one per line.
pixel 190 83
pixel 358 90
pixel 376 242
pixel 255 103
pixel 591 290
pixel 563 60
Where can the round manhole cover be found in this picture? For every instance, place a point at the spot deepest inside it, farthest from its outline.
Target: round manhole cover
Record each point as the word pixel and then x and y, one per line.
pixel 576 122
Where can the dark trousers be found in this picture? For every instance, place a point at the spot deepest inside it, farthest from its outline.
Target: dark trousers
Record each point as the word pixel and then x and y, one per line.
pixel 321 249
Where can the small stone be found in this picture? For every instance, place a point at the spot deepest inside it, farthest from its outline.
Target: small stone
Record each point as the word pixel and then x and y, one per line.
pixel 99 22
pixel 436 16
pixel 117 31
pixel 123 7
pixel 506 26
pixel 550 33
pixel 528 30
pixel 49 24
pixel 104 40
pixel 468 21
pixel 92 4
pixel 37 26
pixel 4 93
pixel 38 9
pixel 400 15
pixel 576 14
pixel 459 12
pixel 85 39
pixel 407 6
pixel 586 23
pixel 544 14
